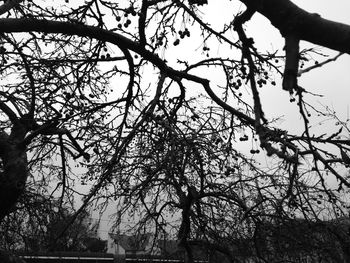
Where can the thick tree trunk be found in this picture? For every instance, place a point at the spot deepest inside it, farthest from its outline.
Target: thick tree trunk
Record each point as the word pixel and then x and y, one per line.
pixel 13 174
pixel 12 179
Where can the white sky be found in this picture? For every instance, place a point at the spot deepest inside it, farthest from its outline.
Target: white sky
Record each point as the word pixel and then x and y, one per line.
pixel 332 80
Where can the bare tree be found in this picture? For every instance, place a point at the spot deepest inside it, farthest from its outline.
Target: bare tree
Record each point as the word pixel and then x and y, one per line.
pixel 97 93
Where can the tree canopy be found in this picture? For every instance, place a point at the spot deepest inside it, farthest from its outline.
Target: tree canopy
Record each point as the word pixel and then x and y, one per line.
pixel 146 105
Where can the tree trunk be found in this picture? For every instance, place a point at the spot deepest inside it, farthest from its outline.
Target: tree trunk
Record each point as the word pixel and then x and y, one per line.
pixel 12 180
pixel 13 173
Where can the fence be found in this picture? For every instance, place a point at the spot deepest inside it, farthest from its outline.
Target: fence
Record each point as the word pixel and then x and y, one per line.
pixel 70 257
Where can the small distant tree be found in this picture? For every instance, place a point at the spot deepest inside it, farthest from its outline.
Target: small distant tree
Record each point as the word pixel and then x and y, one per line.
pixel 27 229
pixel 74 238
pixel 25 226
pixel 95 244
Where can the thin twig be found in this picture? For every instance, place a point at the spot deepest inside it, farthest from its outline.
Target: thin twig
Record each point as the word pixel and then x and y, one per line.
pixel 319 64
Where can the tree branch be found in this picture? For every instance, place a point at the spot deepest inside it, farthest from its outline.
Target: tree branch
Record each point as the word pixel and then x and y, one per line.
pixel 289 18
pixel 8 5
pixel 318 65
pixel 290 80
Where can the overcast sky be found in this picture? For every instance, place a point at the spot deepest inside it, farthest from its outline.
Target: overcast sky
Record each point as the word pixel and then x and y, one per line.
pixel 332 80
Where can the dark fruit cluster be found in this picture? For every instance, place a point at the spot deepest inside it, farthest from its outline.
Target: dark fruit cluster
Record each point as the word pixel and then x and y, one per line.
pixel 176 42
pixel 252 151
pixel 185 33
pixel 130 10
pixel 127 22
pixel 242 74
pixel 206 50
pixel 182 34
pixel 160 41
pixel 243 138
pixel 236 84
pixel 261 82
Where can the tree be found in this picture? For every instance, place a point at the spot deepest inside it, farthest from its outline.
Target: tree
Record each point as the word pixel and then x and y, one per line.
pixel 95 244
pixel 78 89
pixel 24 226
pixel 37 226
pixel 320 241
pixel 79 236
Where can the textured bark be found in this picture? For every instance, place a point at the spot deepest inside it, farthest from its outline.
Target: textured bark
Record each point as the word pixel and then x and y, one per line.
pixel 13 174
pixel 12 179
pixel 290 19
